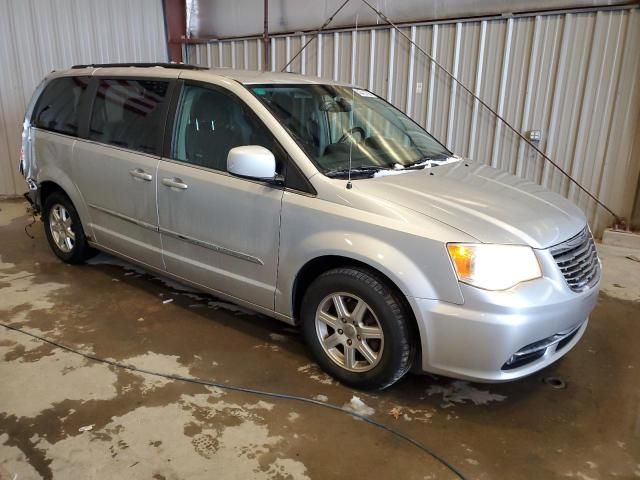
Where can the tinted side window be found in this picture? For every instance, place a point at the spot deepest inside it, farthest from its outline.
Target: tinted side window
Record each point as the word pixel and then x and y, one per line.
pixel 129 114
pixel 57 109
pixel 210 123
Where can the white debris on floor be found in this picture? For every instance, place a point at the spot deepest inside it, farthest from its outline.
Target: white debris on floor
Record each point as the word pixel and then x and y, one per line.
pixel 356 405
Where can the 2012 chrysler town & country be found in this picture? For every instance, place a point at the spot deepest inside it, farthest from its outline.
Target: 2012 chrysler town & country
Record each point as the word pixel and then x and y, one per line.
pixel 316 203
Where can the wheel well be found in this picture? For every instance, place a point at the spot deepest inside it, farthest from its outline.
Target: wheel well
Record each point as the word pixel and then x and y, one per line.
pixel 46 189
pixel 316 267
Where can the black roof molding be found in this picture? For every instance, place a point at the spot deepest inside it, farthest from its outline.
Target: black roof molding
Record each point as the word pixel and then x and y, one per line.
pixel 179 66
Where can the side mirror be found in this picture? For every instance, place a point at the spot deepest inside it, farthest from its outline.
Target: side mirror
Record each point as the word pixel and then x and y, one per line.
pixel 251 161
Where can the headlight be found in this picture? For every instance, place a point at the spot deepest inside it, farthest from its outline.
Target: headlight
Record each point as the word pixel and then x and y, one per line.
pixel 494 267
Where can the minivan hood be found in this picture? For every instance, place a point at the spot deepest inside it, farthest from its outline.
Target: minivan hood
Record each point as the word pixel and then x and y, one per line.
pixel 488 204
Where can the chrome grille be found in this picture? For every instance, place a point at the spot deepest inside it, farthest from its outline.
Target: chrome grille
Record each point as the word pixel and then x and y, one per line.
pixel 578 261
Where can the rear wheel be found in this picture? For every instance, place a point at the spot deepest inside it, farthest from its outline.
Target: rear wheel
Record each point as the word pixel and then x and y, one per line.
pixel 64 231
pixel 357 328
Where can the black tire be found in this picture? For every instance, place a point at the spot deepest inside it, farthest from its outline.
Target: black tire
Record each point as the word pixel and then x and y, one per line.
pixel 390 314
pixel 80 251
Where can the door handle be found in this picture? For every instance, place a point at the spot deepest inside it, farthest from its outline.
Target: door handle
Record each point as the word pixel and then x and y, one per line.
pixel 175 183
pixel 141 174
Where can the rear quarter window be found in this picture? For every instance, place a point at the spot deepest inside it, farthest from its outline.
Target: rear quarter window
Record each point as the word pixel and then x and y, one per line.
pixel 58 107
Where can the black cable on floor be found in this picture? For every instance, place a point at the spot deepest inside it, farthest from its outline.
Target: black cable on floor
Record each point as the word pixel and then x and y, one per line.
pixel 29 225
pixel 253 391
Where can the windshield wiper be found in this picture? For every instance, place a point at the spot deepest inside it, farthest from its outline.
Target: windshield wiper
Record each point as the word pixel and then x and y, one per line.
pixel 356 171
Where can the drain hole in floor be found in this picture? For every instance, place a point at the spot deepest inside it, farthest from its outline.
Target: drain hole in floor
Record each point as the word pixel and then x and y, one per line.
pixel 555 382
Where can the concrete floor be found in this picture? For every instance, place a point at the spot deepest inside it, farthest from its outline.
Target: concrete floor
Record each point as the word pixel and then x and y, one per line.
pixel 63 416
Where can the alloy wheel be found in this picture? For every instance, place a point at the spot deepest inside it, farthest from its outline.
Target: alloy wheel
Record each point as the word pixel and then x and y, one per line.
pixel 60 224
pixel 349 332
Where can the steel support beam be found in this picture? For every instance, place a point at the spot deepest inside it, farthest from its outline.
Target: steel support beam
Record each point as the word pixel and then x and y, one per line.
pixel 175 15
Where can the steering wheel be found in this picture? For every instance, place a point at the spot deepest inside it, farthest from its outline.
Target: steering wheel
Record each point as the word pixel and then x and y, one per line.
pixel 350 133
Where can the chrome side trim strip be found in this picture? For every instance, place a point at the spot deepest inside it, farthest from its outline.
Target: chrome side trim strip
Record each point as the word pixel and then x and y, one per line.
pixel 212 246
pixel 179 236
pixel 126 218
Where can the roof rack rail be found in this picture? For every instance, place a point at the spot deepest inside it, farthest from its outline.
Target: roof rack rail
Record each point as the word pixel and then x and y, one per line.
pixel 182 66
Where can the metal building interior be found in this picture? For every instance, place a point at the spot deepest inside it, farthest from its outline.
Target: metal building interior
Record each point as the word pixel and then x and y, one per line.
pixel 111 370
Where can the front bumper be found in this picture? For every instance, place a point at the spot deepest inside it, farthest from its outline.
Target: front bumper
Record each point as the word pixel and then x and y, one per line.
pixel 540 320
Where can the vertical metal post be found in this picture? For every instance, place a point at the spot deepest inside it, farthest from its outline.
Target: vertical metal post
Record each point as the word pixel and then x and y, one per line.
pixel 354 54
pixel 303 59
pixel 233 54
pixel 175 14
pixel 569 28
pixel 412 55
pixel 502 94
pixel 336 56
pixel 372 62
pixel 319 56
pixel 477 90
pixel 432 77
pixel 274 51
pixel 521 163
pixel 392 60
pixel 265 37
pixel 454 89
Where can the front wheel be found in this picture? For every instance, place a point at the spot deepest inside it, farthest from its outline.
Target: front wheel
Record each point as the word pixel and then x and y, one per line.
pixel 357 327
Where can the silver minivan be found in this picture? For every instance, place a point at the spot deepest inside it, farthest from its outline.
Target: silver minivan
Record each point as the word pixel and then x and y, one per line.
pixel 316 203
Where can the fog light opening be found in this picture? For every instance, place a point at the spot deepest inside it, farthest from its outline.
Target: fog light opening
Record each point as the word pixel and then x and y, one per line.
pixel 555 382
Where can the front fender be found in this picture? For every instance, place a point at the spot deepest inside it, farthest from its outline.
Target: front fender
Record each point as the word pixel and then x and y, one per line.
pixel 419 266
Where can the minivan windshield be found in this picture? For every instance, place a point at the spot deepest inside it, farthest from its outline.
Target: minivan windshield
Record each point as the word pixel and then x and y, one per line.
pixel 343 128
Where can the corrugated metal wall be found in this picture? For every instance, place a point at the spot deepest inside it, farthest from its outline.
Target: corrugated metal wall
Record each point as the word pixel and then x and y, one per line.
pixel 39 36
pixel 574 76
